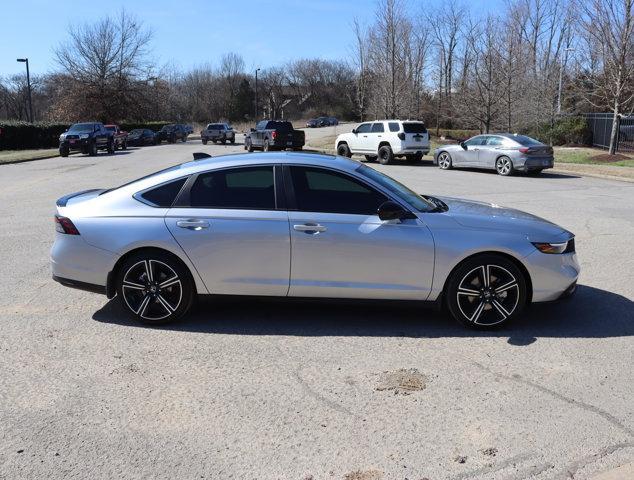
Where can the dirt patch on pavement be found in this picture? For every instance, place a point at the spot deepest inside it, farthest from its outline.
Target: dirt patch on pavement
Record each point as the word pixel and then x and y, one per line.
pixel 607 158
pixel 402 381
pixel 364 475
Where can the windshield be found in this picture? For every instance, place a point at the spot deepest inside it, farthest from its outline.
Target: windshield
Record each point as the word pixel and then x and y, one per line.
pixel 401 191
pixel 215 126
pixel 82 128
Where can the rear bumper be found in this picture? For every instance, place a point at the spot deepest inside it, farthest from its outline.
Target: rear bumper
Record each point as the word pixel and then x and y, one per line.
pixel 411 148
pixel 535 164
pixel 87 287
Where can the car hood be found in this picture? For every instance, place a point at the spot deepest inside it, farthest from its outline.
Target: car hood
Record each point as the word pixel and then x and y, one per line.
pixel 488 216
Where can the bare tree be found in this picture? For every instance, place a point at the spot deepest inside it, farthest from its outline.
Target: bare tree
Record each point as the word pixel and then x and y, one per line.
pixel 609 32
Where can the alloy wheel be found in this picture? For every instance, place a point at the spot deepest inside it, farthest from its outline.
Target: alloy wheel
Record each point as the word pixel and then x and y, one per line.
pixel 444 161
pixel 152 289
pixel 504 166
pixel 488 295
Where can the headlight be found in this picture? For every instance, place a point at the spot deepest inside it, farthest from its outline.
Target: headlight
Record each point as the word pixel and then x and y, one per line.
pixel 556 248
pixel 83 136
pixel 62 136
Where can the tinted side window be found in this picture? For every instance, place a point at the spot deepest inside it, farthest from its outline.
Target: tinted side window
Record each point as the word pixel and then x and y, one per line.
pixel 164 195
pixel 394 127
pixel 377 128
pixel 364 128
pixel 261 125
pixel 321 190
pixel 494 141
pixel 250 188
pixel 479 140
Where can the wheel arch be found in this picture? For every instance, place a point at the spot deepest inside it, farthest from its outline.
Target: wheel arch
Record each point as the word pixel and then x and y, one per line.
pixel 516 261
pixel 111 287
pixel 384 143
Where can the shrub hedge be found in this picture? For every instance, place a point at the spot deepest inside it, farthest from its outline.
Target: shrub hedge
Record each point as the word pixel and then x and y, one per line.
pixel 16 135
pixel 564 131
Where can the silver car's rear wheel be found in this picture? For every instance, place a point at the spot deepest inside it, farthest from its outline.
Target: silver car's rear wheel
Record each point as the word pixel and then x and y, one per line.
pixel 486 292
pixel 155 288
pixel 444 161
pixel 504 166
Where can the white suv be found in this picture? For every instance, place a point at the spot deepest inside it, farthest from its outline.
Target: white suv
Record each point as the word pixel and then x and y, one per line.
pixel 384 140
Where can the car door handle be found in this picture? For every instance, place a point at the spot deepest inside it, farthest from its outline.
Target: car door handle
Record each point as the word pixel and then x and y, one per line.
pixel 193 224
pixel 310 228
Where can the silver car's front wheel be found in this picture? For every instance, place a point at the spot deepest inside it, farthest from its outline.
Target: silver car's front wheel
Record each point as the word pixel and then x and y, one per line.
pixel 444 161
pixel 504 166
pixel 486 292
pixel 155 288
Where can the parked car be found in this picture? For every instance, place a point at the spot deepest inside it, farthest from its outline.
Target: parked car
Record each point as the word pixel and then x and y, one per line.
pixel 504 152
pixel 386 140
pixel 218 132
pixel 171 133
pixel 140 137
pixel 313 123
pixel 355 233
pixel 89 137
pixel 333 121
pixel 188 128
pixel 274 135
pixel 120 137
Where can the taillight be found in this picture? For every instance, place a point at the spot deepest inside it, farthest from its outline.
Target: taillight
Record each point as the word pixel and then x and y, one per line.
pixel 65 225
pixel 524 150
pixel 401 136
pixel 273 134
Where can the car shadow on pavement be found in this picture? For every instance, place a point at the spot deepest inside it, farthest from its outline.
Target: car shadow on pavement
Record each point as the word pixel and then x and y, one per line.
pixel 541 176
pixel 590 313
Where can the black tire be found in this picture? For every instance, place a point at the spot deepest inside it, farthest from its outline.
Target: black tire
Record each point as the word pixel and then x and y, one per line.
pixel 385 155
pixel 124 145
pixel 444 161
pixel 92 149
pixel 223 140
pixel 297 149
pixel 266 147
pixel 184 139
pixel 504 166
pixel 110 148
pixel 249 147
pixel 414 159
pixel 370 158
pixel 343 150
pixel 233 139
pixel 486 291
pixel 204 141
pixel 64 151
pixel 143 297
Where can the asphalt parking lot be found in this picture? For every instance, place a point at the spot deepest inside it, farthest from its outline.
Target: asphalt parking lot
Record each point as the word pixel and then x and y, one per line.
pixel 278 390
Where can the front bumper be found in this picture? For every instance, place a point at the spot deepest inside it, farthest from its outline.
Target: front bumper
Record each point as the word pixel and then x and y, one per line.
pixel 552 276
pixel 80 144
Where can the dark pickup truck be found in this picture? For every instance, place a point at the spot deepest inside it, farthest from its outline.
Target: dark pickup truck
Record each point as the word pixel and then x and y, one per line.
pixel 274 135
pixel 87 138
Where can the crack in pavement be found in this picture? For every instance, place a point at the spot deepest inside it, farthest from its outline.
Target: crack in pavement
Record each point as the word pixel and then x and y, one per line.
pixel 319 397
pixel 570 471
pixel 494 468
pixel 584 406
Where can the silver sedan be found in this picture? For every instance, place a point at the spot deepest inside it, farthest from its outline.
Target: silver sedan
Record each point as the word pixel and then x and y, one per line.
pixel 506 153
pixel 301 225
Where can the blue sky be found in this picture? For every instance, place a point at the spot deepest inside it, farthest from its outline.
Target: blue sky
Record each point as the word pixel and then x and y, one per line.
pixel 195 32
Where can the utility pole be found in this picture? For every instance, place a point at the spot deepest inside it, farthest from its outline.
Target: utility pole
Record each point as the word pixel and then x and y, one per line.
pixel 256 93
pixel 28 83
pixel 561 78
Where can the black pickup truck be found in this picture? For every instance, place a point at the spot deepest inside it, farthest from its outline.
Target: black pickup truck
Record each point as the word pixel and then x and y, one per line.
pixel 87 138
pixel 274 135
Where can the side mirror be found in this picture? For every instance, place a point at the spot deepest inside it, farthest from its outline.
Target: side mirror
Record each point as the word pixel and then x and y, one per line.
pixel 392 211
pixel 463 145
pixel 354 130
pixel 253 130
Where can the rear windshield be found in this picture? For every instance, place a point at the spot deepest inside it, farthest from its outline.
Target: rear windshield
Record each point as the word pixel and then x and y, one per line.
pixel 215 126
pixel 414 127
pixel 526 141
pixel 279 126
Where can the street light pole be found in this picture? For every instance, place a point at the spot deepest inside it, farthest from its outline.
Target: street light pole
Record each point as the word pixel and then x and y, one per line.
pixel 28 84
pixel 256 93
pixel 561 78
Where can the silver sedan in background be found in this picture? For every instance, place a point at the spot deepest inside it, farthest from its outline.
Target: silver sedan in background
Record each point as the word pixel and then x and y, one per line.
pixel 506 153
pixel 301 225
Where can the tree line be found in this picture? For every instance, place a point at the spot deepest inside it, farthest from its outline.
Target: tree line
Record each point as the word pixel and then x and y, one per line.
pixel 511 70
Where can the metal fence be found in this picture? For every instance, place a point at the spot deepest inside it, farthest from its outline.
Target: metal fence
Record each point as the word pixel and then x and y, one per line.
pixel 601 127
